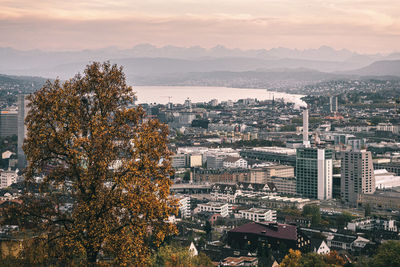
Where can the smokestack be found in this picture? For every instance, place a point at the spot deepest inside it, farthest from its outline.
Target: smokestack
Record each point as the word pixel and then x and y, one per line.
pixel 306 143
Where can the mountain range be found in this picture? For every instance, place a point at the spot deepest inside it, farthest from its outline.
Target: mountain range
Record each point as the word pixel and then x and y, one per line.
pixel 147 64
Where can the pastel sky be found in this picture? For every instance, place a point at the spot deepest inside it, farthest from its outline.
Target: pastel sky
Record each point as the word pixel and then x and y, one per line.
pixel 366 26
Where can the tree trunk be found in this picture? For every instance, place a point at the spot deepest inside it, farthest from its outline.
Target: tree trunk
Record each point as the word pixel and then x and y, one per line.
pixel 91 257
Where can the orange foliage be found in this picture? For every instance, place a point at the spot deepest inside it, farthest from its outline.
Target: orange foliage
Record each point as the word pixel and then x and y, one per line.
pixel 104 158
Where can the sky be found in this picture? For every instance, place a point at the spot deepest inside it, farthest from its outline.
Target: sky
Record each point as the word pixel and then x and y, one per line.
pixel 364 26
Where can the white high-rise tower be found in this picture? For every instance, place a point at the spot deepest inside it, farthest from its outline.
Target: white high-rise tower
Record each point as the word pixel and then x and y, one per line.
pixel 306 142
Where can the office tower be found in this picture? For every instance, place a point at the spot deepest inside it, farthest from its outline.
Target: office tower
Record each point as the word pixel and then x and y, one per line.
pixel 333 104
pixel 314 173
pixel 8 123
pixel 22 112
pixel 357 174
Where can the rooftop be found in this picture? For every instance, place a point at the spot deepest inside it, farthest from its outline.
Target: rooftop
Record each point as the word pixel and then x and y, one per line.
pixel 275 149
pixel 213 204
pixel 269 229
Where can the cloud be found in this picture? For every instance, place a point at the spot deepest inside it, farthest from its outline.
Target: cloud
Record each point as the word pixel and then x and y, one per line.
pixel 54 24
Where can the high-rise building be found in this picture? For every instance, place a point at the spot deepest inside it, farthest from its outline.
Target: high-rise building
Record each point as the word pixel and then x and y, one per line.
pixel 22 112
pixel 8 123
pixel 306 142
pixel 333 104
pixel 357 175
pixel 314 173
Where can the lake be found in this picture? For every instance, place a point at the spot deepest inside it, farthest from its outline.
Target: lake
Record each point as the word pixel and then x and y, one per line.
pixel 178 94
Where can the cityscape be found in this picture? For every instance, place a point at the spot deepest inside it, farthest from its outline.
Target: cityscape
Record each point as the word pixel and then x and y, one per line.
pixel 200 154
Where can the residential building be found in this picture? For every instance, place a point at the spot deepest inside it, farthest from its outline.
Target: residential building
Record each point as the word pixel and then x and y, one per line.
pixel 319 246
pixel 251 235
pixel 314 173
pixel 179 161
pixel 215 161
pixel 257 175
pixel 184 205
pixel 8 123
pixel 381 199
pixel 357 175
pixel 269 201
pixel 215 207
pixel 258 215
pixel 225 192
pixel 279 171
pixel 7 178
pixel 285 185
pixel 267 189
pixel 234 162
pixel 372 224
pixel 195 160
pixel 262 175
pixel 281 155
pixel 220 176
pixel 346 242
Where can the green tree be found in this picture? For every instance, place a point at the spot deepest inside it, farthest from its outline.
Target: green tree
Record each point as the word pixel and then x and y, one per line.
pixel 343 219
pixel 208 229
pixel 186 175
pixel 388 255
pixel 177 256
pixel 106 171
pixel 367 210
pixel 313 212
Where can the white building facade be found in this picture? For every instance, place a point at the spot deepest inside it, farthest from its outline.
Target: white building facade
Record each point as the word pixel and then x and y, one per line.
pixel 258 215
pixel 215 207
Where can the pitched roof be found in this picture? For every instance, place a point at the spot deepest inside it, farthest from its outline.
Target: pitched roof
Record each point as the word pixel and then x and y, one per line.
pixel 316 243
pixel 269 229
pixel 240 261
pixel 231 159
pixel 257 187
pixel 225 188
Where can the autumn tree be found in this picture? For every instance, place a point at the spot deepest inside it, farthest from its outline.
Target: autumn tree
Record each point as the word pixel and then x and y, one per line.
pixel 292 259
pixel 296 259
pixel 103 170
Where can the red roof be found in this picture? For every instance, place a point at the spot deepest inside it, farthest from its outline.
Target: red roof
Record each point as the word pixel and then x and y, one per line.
pixel 269 229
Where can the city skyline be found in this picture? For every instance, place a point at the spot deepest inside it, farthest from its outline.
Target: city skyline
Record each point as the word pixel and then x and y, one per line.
pixel 362 26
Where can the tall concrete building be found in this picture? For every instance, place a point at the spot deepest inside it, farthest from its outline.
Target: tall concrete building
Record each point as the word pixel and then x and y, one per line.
pixel 333 104
pixel 357 175
pixel 314 173
pixel 8 123
pixel 306 142
pixel 22 112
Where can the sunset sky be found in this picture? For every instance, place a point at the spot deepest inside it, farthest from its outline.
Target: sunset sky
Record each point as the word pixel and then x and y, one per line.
pixel 359 25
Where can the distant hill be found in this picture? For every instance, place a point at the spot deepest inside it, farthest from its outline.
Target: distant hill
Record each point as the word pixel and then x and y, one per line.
pixel 379 68
pixel 161 66
pixel 24 84
pixel 218 66
pixel 64 64
pixel 278 79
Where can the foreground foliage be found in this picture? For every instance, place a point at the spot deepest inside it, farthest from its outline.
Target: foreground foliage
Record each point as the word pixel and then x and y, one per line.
pixel 176 256
pixel 106 168
pixel 296 259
